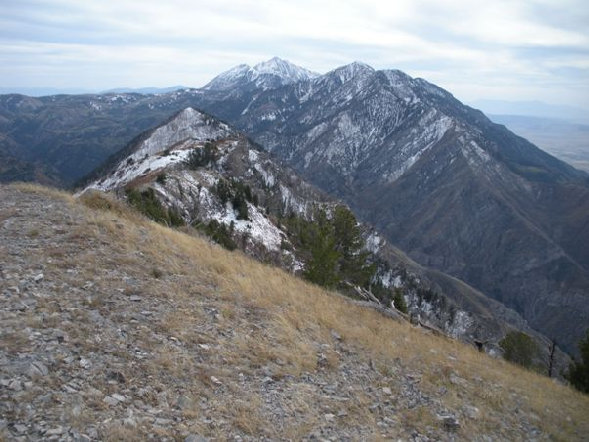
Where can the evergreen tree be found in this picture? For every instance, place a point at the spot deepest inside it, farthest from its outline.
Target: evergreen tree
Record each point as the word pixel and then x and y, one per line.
pixel 353 261
pixel 223 190
pixel 399 301
pixel 322 267
pixel 240 205
pixel 578 374
pixel 202 156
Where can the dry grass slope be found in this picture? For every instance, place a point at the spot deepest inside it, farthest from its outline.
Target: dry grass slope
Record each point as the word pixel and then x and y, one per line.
pixel 235 347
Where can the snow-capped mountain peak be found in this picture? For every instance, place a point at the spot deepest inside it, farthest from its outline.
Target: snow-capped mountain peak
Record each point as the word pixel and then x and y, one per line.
pixel 284 69
pixel 268 74
pixel 353 70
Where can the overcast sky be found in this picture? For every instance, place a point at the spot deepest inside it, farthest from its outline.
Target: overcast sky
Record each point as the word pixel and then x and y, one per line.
pixel 511 50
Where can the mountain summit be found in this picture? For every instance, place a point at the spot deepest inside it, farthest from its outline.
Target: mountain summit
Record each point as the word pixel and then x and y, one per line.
pixel 265 75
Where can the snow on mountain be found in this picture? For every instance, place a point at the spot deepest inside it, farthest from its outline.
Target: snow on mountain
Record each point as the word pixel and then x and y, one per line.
pixel 284 69
pixel 155 166
pixel 229 78
pixel 167 145
pixel 352 71
pixel 416 163
pixel 157 161
pixel 271 73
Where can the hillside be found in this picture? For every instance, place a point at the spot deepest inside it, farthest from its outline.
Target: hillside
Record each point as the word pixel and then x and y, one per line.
pixel 116 328
pixel 437 179
pixel 197 171
pixel 66 137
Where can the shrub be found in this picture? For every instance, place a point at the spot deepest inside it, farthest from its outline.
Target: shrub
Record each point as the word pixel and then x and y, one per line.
pixel 519 348
pixel 175 218
pixel 578 374
pixel 161 178
pixel 147 203
pixel 202 156
pixel 220 234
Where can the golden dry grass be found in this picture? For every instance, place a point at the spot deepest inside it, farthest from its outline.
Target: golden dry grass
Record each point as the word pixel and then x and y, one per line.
pixel 298 316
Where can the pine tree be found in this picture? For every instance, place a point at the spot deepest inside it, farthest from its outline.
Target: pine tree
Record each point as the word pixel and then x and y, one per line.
pixel 353 261
pixel 578 374
pixel 202 156
pixel 322 267
pixel 399 301
pixel 240 205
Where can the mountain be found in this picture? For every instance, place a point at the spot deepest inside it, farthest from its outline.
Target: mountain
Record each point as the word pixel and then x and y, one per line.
pixel 440 180
pixel 265 75
pixel 198 171
pixel 43 91
pixel 66 137
pixel 116 328
pixel 437 178
pixel 63 138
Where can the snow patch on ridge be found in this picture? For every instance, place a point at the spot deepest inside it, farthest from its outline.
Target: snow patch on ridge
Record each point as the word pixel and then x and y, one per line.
pixel 474 154
pixel 373 243
pixel 128 171
pixel 188 124
pixel 258 227
pixel 188 129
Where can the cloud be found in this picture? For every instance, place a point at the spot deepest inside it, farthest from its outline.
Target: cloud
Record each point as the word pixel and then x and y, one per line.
pixel 472 48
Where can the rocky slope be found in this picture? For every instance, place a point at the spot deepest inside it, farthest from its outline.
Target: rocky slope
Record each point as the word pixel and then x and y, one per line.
pixel 156 166
pixel 115 328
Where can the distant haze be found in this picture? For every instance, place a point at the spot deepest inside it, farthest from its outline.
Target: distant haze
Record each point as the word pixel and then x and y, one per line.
pixel 532 109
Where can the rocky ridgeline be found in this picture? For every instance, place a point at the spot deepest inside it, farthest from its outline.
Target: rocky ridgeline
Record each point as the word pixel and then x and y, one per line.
pixel 99 344
pixel 203 193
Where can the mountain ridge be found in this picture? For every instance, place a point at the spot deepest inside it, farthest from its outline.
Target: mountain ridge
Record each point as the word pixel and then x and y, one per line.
pixel 156 163
pixel 267 74
pixel 383 143
pixel 372 141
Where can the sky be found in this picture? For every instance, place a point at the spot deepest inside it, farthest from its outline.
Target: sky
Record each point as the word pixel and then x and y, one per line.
pixel 508 50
